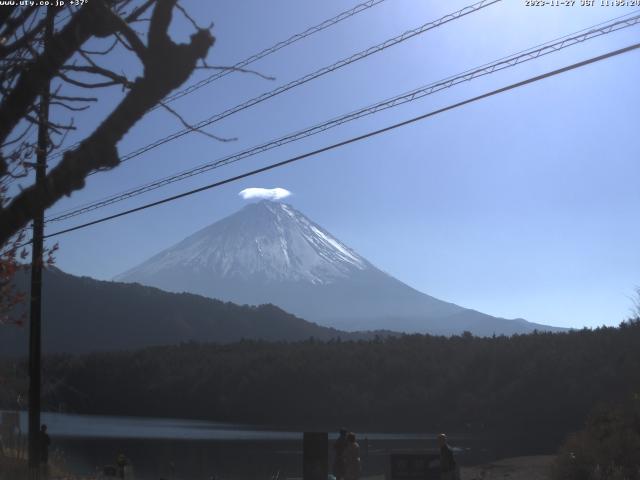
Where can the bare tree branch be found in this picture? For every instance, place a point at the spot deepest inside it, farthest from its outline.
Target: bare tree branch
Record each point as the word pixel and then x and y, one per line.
pixel 100 52
pixel 188 17
pixel 81 84
pixel 69 107
pixel 135 44
pixel 139 11
pixel 74 99
pixel 188 126
pixel 167 65
pixel 95 69
pixel 87 22
pixel 235 69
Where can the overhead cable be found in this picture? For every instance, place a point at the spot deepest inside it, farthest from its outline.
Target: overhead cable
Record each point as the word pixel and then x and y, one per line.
pixel 242 64
pixel 309 77
pixel 415 94
pixel 354 139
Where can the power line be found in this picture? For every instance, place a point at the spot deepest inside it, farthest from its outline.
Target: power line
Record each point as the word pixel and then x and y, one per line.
pixel 356 139
pixel 257 56
pixel 268 51
pixel 486 69
pixel 318 73
pixel 503 63
pixel 311 76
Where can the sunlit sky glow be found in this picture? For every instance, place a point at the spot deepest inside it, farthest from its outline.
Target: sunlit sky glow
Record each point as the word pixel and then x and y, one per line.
pixel 522 205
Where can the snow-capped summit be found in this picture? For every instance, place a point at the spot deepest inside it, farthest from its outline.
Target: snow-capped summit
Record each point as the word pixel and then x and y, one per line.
pixel 269 240
pixel 268 252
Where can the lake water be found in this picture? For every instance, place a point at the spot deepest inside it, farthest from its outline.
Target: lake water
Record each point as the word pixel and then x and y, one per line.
pixel 102 426
pixel 197 450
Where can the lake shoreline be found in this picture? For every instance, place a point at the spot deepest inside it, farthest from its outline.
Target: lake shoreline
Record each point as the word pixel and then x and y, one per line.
pixel 158 446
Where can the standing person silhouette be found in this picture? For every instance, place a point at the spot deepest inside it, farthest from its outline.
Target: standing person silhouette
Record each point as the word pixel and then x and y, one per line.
pixel 339 462
pixel 448 467
pixel 352 458
pixel 122 463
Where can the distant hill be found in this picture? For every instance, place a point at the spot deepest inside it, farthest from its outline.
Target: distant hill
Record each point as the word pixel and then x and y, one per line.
pixel 269 252
pixel 81 315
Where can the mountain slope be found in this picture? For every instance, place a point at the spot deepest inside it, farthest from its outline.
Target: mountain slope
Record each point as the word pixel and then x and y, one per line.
pixel 81 314
pixel 268 252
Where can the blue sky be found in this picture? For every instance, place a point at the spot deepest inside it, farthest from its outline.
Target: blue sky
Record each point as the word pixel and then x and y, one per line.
pixel 521 205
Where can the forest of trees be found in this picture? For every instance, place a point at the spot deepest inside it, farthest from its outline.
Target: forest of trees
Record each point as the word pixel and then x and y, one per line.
pixel 541 382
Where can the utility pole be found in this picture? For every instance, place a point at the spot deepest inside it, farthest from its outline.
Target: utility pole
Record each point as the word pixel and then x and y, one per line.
pixel 35 311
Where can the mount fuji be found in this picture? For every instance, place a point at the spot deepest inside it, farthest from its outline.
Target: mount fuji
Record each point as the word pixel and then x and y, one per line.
pixel 268 252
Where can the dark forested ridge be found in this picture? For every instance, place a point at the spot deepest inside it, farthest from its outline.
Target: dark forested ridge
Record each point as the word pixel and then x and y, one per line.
pixel 82 315
pixel 536 382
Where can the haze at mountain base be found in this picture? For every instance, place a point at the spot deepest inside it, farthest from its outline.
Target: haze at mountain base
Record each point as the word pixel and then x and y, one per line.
pixel 268 252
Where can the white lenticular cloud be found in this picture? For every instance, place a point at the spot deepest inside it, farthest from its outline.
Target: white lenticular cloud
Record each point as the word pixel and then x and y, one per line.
pixel 265 193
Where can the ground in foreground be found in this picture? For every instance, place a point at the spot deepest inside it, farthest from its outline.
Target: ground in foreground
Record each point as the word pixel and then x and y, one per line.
pixel 536 467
